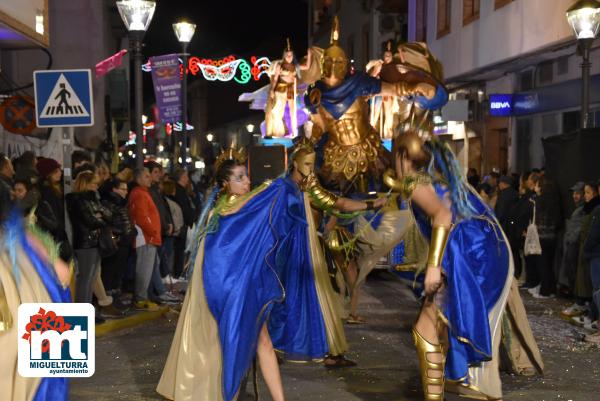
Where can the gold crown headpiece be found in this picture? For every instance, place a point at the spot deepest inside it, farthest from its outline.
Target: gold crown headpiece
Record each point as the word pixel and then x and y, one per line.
pixel 304 145
pixel 238 155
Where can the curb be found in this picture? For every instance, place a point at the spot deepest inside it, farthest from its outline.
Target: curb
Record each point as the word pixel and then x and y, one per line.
pixel 136 319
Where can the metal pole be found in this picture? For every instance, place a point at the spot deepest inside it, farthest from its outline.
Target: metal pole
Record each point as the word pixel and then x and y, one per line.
pixel 585 44
pixel 136 49
pixel 184 142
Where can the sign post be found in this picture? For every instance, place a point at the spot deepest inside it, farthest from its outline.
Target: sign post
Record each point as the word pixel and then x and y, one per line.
pixel 64 99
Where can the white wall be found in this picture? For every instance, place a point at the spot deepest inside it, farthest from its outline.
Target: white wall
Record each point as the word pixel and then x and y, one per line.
pixel 520 27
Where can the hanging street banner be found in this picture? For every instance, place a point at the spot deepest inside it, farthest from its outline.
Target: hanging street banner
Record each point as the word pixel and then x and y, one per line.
pixel 63 98
pixel 166 80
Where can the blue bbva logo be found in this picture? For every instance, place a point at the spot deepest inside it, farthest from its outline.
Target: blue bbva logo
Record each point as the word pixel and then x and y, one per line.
pixel 56 340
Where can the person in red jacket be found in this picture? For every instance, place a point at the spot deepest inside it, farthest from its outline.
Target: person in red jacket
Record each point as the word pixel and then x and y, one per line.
pixel 146 218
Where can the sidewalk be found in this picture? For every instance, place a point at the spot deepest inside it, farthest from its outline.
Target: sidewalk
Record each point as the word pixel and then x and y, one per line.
pixel 136 318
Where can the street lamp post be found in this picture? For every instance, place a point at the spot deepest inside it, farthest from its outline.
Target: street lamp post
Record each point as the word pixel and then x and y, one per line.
pixel 584 18
pixel 184 32
pixel 136 15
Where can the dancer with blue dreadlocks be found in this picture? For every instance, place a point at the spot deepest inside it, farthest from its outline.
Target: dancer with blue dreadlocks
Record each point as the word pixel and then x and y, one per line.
pixel 468 273
pixel 30 271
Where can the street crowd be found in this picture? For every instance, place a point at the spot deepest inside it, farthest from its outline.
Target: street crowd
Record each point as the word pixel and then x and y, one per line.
pixel 567 261
pixel 129 229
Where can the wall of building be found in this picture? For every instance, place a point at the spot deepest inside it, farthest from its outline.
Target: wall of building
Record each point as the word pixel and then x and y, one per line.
pixel 520 27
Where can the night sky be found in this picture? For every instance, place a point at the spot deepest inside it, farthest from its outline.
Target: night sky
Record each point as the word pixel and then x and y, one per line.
pixel 241 28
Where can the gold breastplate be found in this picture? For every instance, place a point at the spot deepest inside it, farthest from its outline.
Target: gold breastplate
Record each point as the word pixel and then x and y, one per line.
pixel 351 128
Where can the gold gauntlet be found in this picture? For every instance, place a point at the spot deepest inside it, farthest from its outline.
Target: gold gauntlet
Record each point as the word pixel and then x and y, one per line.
pixel 437 246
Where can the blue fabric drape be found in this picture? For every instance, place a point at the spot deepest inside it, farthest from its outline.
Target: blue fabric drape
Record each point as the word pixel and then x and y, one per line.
pixel 296 326
pixel 242 263
pixel 476 265
pixel 338 99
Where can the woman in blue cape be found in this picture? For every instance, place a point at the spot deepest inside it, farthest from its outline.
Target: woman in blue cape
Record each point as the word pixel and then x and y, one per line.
pixel 240 248
pixel 30 271
pixel 468 273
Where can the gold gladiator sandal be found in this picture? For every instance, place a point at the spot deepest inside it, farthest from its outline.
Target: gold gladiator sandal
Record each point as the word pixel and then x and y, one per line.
pixel 424 349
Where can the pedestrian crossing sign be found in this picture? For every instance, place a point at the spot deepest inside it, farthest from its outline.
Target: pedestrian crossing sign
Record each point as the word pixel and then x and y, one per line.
pixel 63 98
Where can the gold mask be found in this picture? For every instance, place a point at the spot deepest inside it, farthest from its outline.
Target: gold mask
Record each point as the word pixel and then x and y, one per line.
pixel 304 162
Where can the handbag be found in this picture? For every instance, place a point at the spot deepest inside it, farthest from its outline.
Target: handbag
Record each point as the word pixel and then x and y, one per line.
pixel 107 242
pixel 532 238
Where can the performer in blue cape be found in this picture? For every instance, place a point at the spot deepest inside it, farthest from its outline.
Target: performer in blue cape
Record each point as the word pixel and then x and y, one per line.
pixel 30 271
pixel 238 249
pixel 468 274
pixel 308 324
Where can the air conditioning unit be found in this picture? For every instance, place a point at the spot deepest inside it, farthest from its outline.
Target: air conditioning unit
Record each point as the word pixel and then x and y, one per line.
pixel 392 22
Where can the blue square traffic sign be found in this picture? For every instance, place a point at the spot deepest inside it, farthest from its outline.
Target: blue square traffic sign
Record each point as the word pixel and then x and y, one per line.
pixel 63 98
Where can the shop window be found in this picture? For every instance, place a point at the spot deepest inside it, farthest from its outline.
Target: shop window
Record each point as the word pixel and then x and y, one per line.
pixel 562 65
pixel 526 80
pixel 545 71
pixel 470 11
pixel 443 17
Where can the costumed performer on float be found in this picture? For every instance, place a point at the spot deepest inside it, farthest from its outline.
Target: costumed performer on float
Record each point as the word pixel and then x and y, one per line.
pixel 234 285
pixel 383 108
pixel 284 75
pixel 468 274
pixel 30 271
pixel 308 324
pixel 354 158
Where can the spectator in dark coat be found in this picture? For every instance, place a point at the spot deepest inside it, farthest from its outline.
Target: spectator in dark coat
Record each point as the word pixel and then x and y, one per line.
pixel 28 200
pixel 182 198
pixel 519 218
pixel 568 263
pixel 51 191
pixel 6 182
pixel 113 267
pixel 473 177
pixel 591 250
pixel 507 199
pixel 548 221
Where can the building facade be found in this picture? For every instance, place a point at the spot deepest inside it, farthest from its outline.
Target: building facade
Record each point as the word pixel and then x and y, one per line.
pixel 516 63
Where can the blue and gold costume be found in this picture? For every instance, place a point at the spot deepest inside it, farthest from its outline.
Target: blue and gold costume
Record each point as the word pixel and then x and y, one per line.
pixel 26 276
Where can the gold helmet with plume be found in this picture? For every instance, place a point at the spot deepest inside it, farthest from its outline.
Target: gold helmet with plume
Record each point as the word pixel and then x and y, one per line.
pixel 334 61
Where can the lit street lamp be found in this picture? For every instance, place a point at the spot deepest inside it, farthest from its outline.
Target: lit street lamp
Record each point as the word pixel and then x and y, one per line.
pixel 250 128
pixel 584 18
pixel 136 15
pixel 184 32
pixel 210 137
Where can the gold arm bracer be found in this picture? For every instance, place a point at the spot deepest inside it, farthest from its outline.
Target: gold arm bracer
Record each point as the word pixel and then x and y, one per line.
pixel 437 246
pixel 323 198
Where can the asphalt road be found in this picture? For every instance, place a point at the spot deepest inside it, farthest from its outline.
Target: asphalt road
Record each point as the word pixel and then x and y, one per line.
pixel 129 362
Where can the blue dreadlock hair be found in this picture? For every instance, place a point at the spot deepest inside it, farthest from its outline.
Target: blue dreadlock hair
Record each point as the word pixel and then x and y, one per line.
pixel 444 161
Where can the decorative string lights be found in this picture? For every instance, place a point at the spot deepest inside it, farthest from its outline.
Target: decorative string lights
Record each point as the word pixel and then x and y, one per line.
pixel 225 69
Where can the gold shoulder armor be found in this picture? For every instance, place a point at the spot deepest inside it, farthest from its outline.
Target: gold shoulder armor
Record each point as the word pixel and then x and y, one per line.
pixel 319 196
pixel 407 184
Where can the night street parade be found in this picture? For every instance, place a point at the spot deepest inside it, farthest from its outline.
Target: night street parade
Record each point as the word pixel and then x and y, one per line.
pixel 340 200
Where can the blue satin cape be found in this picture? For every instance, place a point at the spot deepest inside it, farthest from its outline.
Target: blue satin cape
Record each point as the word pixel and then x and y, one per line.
pixel 296 326
pixel 476 265
pixel 338 99
pixel 243 261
